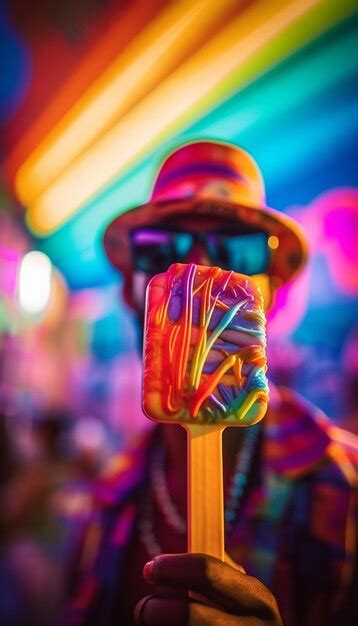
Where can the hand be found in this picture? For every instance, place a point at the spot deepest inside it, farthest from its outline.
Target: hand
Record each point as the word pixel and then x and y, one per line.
pixel 231 597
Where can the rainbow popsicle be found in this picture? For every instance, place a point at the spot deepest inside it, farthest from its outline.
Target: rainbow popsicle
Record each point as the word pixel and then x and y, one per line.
pixel 204 356
pixel 204 368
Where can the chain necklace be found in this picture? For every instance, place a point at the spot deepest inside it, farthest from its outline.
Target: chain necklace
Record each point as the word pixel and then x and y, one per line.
pixel 159 492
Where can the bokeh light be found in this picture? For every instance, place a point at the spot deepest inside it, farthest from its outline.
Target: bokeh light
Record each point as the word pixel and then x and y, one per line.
pixel 34 282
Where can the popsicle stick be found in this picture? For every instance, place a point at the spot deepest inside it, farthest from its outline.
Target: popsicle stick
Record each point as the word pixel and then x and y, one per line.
pixel 205 490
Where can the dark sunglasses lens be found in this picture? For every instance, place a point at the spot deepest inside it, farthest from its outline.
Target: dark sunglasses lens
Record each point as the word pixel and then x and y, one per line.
pixel 154 259
pixel 183 243
pixel 152 251
pixel 247 254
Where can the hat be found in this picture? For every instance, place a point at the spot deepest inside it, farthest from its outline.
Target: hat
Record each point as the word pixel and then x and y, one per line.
pixel 214 185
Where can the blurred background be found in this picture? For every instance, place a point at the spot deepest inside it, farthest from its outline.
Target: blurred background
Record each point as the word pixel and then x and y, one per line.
pixel 93 95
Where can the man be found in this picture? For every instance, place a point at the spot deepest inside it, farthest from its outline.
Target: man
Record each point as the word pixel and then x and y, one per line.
pixel 287 480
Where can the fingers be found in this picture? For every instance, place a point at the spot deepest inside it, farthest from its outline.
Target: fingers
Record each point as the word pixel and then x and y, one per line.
pixel 202 615
pixel 223 585
pixel 155 611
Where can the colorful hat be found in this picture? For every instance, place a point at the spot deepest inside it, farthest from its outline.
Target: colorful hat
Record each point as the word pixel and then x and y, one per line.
pixel 214 185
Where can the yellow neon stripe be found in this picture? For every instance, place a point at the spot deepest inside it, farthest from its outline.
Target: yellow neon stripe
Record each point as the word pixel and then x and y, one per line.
pixel 156 51
pixel 232 56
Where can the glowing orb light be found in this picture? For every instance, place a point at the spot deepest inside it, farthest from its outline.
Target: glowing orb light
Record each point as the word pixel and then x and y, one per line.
pixel 34 282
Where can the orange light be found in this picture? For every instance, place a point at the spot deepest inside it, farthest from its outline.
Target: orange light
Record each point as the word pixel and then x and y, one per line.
pixel 273 242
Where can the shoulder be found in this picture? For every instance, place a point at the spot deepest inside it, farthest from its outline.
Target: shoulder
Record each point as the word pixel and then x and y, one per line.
pixel 319 461
pixel 299 439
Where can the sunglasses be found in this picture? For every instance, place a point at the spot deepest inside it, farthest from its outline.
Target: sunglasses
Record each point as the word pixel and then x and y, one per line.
pixel 153 251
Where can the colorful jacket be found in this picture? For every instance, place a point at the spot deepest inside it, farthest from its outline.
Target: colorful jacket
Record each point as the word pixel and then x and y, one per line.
pixel 296 528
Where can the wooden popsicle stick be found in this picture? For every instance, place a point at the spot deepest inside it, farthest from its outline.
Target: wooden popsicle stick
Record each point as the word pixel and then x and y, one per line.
pixel 205 489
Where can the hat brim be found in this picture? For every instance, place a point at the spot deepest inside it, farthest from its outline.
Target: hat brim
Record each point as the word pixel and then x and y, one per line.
pixel 286 260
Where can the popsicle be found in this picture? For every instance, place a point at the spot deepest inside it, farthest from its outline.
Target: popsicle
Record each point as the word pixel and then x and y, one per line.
pixel 204 368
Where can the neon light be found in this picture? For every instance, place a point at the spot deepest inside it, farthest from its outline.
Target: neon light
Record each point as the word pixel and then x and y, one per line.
pixel 150 57
pixel 110 43
pixel 252 43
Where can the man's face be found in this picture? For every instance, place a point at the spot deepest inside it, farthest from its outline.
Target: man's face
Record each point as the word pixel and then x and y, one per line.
pixel 154 249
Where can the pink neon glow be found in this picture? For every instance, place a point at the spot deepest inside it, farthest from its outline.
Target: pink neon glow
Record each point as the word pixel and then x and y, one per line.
pixel 331 225
pixel 337 215
pixel 290 306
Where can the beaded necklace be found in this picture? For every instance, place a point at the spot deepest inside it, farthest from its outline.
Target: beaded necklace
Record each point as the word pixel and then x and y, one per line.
pixel 159 493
